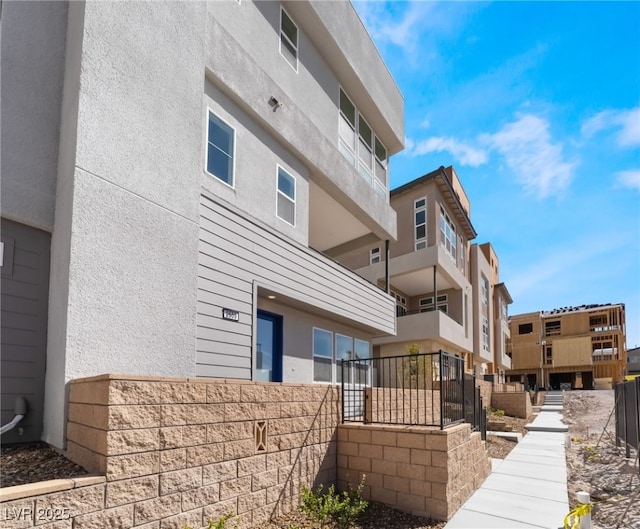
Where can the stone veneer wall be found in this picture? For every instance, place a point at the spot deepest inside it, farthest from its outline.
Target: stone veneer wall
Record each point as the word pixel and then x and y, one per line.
pixel 181 451
pixel 486 388
pixel 513 404
pixel 421 470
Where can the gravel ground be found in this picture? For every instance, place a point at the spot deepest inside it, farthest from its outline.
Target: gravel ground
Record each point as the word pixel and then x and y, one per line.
pixel 596 465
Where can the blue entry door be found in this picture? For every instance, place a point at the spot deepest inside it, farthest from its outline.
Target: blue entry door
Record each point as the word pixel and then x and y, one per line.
pixel 269 347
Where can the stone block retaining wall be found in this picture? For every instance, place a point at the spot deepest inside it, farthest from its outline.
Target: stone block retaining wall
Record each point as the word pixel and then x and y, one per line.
pixel 513 404
pixel 416 469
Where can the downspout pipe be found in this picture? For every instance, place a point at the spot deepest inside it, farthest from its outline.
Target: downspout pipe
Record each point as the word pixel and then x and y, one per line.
pixel 20 410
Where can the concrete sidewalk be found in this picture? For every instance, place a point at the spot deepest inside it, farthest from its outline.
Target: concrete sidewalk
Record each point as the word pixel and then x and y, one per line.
pixel 529 487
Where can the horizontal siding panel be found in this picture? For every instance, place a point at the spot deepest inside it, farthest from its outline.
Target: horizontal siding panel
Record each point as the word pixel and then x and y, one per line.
pixel 208 346
pixel 19 337
pixel 208 359
pixel 223 293
pixel 308 275
pixel 21 369
pixel 12 320
pixel 234 289
pixel 26 258
pixel 218 335
pixel 20 290
pixel 20 305
pixel 223 372
pixel 20 352
pixel 238 327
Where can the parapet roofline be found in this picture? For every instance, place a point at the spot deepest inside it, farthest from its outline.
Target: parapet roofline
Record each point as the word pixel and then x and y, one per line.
pixel 446 187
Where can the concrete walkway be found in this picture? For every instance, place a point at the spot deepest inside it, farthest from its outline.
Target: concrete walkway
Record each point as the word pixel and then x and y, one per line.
pixel 529 487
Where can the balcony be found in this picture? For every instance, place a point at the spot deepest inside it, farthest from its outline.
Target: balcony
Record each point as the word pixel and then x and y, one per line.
pixel 427 326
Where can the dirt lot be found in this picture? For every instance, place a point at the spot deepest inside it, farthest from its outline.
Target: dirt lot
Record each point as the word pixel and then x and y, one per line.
pixel 596 465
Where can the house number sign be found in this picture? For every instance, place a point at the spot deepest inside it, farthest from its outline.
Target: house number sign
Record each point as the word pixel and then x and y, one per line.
pixel 228 314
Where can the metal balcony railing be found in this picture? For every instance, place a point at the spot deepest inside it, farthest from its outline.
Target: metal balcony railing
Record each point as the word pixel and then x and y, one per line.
pixel 429 389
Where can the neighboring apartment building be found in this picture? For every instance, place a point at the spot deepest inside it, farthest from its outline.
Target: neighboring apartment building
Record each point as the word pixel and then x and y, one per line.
pixel 569 347
pixel 633 364
pixel 173 176
pixel 436 276
pixel 491 300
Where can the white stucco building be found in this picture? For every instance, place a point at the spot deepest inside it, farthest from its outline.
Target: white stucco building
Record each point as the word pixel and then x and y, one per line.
pixel 174 177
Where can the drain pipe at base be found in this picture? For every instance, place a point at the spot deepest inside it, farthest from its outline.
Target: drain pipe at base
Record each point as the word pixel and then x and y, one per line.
pixel 20 410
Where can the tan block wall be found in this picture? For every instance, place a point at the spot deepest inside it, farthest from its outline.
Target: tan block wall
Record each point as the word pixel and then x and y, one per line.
pixel 486 388
pixel 513 404
pixel 420 470
pixel 182 451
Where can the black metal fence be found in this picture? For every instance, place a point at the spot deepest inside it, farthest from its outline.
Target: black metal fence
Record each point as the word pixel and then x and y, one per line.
pixel 627 398
pixel 429 389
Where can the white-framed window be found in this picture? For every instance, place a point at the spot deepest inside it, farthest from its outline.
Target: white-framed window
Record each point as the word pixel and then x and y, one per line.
pixel 374 255
pixel 485 334
pixel 401 304
pixel 426 304
pixel 448 238
pixel 220 149
pixel 420 223
pixel 288 39
pixel 286 207
pixel 484 284
pixel 504 310
pixel 344 351
pixel 359 144
pixel 362 350
pixel 463 258
pixel 322 355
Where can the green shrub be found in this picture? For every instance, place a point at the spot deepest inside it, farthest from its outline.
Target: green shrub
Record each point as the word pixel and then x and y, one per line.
pixel 331 506
pixel 220 523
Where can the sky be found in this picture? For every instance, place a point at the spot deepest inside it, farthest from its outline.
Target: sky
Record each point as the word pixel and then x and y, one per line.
pixel 537 107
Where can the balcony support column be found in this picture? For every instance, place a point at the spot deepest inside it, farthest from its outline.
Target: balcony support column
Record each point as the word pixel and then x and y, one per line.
pixel 387 286
pixel 435 289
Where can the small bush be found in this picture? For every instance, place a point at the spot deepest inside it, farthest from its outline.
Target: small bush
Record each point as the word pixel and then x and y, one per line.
pixel 497 413
pixel 220 523
pixel 331 506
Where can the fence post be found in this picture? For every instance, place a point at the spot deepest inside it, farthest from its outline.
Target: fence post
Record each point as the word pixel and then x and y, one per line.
pixel 440 374
pixel 342 389
pixel 585 519
pixel 626 421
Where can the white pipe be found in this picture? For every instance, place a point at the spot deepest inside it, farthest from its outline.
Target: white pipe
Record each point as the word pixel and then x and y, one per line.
pixel 11 425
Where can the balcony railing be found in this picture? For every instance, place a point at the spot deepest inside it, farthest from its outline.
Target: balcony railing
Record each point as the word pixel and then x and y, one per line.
pixel 429 389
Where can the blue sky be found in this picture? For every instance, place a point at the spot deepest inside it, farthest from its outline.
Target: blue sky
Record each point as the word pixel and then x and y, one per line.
pixel 537 106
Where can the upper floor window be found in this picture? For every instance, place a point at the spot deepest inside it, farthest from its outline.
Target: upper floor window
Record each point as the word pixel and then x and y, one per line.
pixel 374 255
pixel 463 253
pixel 288 39
pixel 361 147
pixel 286 208
pixel 552 328
pixel 447 234
pixel 401 304
pixel 485 334
pixel 420 223
pixel 485 290
pixel 504 310
pixel 220 149
pixel 525 328
pixel 426 304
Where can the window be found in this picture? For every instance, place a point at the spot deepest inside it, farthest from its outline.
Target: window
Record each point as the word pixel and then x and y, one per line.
pixel 401 304
pixel 288 39
pixel 220 146
pixel 322 355
pixel 361 147
pixel 426 304
pixel 548 356
pixel 286 208
pixel 344 351
pixel 525 328
pixel 504 310
pixel 485 334
pixel 485 290
pixel 374 255
pixel 552 328
pixel 447 234
pixel 420 222
pixel 463 264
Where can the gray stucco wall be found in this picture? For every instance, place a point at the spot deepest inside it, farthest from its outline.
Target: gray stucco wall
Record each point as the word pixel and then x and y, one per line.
pixel 32 56
pixel 124 266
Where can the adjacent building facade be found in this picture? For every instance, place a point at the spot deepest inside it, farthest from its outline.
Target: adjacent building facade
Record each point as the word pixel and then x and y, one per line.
pixel 178 179
pixel 447 290
pixel 570 347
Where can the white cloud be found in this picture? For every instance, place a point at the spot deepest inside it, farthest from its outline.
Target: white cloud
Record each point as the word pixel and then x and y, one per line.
pixel 629 179
pixel 464 153
pixel 626 122
pixel 536 162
